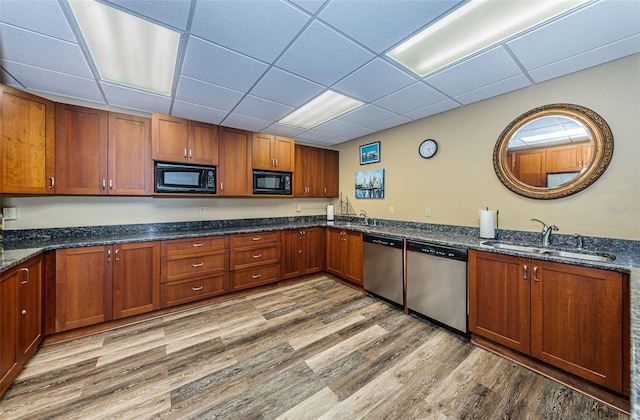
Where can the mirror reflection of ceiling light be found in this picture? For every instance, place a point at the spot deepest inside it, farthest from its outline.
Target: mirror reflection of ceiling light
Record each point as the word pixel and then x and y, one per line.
pixel 557 135
pixel 473 27
pixel 325 107
pixel 126 49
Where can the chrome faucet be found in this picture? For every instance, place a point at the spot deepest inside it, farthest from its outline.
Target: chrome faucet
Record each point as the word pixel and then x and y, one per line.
pixel 546 231
pixel 578 240
pixel 366 217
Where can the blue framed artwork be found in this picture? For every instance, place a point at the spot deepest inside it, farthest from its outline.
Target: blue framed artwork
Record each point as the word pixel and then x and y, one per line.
pixel 370 184
pixel 370 153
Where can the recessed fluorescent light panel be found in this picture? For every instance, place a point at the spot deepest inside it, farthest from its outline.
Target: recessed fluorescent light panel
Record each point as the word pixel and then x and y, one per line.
pixel 325 107
pixel 126 49
pixel 473 27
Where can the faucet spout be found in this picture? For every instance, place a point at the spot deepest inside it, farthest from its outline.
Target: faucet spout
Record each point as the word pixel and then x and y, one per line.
pixel 546 231
pixel 366 217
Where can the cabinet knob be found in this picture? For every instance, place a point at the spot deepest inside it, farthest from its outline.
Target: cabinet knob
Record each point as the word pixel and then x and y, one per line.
pixel 524 271
pixel 535 274
pixel 26 277
pixel 117 255
pixel 24 312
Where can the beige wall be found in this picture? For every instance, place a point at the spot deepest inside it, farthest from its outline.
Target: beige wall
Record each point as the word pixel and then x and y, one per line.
pixel 460 179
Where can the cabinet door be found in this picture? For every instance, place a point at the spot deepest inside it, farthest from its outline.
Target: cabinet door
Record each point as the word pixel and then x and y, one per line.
pixel 284 153
pixel 308 175
pixel 331 173
pixel 27 125
pixel 169 138
pixel 531 167
pixel 30 307
pixel 353 264
pixel 130 165
pixel 136 278
pixel 203 143
pixel 300 174
pixel 577 321
pixel 499 299
pixel 234 172
pixel 313 251
pixel 8 332
pixel 292 257
pixel 83 286
pixel 564 158
pixel 262 157
pixel 81 150
pixel 335 246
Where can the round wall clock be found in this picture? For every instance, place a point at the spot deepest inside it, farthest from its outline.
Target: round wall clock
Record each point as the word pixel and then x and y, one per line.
pixel 428 148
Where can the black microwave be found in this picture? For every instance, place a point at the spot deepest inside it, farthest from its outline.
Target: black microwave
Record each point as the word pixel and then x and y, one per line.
pixel 177 178
pixel 269 182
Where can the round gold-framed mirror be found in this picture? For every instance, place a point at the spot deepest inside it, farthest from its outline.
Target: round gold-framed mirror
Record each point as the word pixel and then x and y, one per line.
pixel 553 151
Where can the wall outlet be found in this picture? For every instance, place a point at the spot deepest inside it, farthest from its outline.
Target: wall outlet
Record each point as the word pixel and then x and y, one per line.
pixel 427 212
pixel 203 210
pixel 392 210
pixel 10 213
pixel 298 208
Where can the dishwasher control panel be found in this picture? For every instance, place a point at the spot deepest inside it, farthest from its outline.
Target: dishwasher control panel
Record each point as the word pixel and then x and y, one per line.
pixel 437 250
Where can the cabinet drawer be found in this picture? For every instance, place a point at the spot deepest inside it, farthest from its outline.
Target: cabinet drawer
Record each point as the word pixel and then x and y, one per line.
pixel 177 292
pixel 243 279
pixel 189 267
pixel 255 256
pixel 193 245
pixel 251 239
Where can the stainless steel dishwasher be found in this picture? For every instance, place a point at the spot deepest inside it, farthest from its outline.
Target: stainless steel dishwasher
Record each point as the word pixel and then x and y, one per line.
pixel 437 284
pixel 384 267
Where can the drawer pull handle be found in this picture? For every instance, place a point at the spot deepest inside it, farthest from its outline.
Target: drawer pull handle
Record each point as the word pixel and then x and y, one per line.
pixel 524 272
pixel 257 276
pixel 535 274
pixel 26 276
pixel 257 256
pixel 197 265
pixel 197 245
pixel 256 238
pixel 197 289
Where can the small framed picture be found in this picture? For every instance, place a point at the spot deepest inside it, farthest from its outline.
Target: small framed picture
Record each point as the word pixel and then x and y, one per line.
pixel 370 153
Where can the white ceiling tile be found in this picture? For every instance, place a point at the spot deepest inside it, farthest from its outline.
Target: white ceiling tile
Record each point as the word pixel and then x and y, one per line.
pixel 373 81
pixel 433 109
pixel 310 6
pixel 35 78
pixel 286 88
pixel 322 55
pixel 170 12
pixel 244 122
pixel 7 79
pixel 364 131
pixel 392 122
pixel 337 127
pixel 478 71
pixel 197 112
pixel 255 107
pixel 590 58
pixel 375 23
pixel 125 97
pixel 283 130
pixel 207 94
pixel 251 27
pixel 42 16
pixel 410 98
pixel 37 50
pixel 220 66
pixel 594 26
pixel 367 115
pixel 313 136
pixel 495 89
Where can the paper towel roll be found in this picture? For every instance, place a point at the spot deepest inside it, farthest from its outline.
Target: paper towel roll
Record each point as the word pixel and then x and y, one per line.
pixel 487 224
pixel 330 215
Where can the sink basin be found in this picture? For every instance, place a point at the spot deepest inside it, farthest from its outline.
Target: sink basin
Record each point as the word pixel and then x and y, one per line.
pixel 576 255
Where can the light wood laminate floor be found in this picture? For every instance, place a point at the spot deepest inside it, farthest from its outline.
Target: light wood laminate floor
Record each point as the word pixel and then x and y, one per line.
pixel 314 349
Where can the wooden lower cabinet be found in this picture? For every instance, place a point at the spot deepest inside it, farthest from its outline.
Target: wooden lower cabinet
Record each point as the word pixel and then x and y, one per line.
pixel 100 283
pixel 344 254
pixel 571 317
pixel 254 259
pixel 303 252
pixel 20 318
pixel 193 269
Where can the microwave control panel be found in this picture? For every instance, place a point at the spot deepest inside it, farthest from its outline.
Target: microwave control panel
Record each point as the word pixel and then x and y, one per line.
pixel 211 179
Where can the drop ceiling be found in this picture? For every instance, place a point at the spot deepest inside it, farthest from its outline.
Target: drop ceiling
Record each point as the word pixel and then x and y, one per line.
pixel 247 64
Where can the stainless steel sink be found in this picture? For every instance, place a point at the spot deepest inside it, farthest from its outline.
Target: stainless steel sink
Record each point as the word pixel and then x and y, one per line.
pixel 576 255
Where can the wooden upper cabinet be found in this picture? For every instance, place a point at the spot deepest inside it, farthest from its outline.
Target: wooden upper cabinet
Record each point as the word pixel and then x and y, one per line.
pixel 129 155
pixel 569 158
pixel 531 167
pixel 234 172
pixel 308 174
pixel 27 125
pixel 184 141
pixel 273 152
pixel 331 173
pixel 81 150
pixel 99 153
